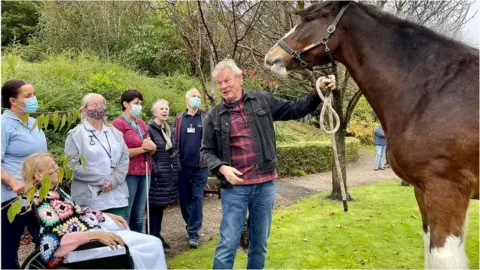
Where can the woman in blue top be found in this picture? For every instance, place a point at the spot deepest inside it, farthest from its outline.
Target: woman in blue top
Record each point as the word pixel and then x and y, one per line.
pixel 18 142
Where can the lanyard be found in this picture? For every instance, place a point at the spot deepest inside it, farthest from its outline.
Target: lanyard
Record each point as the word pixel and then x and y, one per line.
pixel 138 130
pixel 109 152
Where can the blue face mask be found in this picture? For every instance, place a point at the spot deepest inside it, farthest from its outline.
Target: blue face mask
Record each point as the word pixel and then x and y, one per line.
pixel 31 105
pixel 136 110
pixel 195 102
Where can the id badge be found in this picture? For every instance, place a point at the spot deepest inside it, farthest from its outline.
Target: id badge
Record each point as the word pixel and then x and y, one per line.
pixel 191 130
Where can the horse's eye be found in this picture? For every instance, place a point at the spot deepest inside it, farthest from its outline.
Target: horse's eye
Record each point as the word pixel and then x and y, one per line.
pixel 309 18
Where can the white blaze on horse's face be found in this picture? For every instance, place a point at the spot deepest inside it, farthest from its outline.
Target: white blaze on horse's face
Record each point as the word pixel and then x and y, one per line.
pixel 276 55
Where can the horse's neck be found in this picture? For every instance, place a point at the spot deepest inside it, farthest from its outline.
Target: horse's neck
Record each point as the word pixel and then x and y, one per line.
pixel 368 52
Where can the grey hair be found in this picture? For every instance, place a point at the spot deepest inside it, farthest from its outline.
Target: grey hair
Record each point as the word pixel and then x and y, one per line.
pixel 226 63
pixel 190 90
pixel 85 101
pixel 158 101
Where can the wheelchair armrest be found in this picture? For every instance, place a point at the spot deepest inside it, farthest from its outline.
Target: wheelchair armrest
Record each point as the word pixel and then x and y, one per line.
pixel 97 244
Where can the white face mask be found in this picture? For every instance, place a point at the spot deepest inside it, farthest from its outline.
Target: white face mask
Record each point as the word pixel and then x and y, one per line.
pixel 136 110
pixel 195 102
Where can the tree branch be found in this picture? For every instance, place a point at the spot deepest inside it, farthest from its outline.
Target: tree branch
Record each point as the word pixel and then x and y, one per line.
pixel 351 107
pixel 215 53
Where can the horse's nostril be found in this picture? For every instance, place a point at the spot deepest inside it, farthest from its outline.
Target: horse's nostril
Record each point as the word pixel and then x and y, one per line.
pixel 273 61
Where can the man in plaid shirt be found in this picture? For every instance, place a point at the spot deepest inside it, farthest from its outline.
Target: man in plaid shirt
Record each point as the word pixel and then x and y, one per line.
pixel 238 147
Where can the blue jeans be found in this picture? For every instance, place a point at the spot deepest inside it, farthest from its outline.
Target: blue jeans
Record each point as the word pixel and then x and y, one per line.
pixel 191 187
pixel 11 235
pixel 380 149
pixel 137 190
pixel 258 199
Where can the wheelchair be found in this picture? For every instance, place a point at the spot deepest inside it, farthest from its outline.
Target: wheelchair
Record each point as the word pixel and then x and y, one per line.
pixel 122 261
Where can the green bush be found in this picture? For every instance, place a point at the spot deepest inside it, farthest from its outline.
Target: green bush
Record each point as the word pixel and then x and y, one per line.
pixel 298 159
pixel 61 81
pixel 294 131
pixel 362 123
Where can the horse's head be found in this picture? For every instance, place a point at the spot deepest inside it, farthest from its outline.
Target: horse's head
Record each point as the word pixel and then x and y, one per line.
pixel 309 42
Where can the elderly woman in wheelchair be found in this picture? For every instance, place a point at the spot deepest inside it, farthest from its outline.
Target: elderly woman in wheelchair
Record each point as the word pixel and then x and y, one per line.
pixel 65 226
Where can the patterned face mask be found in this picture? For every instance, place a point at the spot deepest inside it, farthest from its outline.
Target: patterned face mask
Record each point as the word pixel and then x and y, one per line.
pixel 97 113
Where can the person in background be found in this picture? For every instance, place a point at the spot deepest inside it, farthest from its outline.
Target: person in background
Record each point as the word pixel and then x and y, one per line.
pixel 165 167
pixel 18 142
pixel 387 165
pixel 101 185
pixel 140 148
pixel 193 174
pixel 380 146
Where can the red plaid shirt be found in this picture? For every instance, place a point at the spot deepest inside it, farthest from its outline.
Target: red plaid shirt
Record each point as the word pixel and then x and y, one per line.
pixel 242 149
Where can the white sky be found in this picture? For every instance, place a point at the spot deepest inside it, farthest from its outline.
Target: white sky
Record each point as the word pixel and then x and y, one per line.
pixel 472 28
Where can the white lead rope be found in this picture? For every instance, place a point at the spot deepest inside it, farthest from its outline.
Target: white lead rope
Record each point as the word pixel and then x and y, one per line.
pixel 329 83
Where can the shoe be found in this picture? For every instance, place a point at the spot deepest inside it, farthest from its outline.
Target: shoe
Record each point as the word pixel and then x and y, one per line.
pixel 193 243
pixel 382 169
pixel 376 169
pixel 386 166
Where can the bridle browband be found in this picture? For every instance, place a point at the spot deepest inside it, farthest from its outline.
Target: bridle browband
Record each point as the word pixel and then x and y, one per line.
pixel 297 55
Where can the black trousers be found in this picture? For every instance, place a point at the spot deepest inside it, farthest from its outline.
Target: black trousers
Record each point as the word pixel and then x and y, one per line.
pixel 155 220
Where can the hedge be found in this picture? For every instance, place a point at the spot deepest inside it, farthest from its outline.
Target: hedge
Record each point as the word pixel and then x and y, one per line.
pixel 302 158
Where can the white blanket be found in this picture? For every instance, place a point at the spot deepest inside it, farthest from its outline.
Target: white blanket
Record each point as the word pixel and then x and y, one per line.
pixel 146 250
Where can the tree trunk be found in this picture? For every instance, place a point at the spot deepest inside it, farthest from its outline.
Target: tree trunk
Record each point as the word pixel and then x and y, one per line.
pixel 336 191
pixel 212 98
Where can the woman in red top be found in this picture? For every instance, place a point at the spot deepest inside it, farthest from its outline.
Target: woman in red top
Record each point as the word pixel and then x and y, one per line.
pixel 140 148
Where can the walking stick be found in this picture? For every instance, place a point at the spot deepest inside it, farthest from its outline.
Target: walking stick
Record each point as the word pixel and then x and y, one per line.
pixel 147 186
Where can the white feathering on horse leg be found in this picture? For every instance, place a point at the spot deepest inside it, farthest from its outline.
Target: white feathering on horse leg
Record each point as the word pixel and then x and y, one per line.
pixel 451 256
pixel 426 247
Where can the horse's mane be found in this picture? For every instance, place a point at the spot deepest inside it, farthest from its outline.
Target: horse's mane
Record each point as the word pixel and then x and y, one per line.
pixel 417 34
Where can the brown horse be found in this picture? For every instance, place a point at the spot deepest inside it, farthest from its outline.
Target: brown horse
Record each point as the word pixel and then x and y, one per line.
pixel 423 88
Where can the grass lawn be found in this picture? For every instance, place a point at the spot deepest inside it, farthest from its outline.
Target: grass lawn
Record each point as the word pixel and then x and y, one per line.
pixel 381 230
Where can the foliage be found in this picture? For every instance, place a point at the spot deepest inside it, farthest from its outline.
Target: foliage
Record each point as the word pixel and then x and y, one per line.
pixel 294 131
pixel 61 82
pixel 362 123
pixel 19 21
pixel 382 230
pixel 100 27
pixel 157 48
pixel 125 32
pixel 301 158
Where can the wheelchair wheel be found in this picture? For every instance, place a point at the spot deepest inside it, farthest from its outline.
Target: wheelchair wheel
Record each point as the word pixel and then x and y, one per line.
pixel 34 261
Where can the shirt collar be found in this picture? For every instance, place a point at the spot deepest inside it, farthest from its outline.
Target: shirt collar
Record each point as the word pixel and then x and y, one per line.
pixel 89 126
pixel 10 114
pixel 228 106
pixel 185 113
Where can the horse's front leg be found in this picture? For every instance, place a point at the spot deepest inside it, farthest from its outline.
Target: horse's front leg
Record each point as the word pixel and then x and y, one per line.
pixel 446 204
pixel 420 196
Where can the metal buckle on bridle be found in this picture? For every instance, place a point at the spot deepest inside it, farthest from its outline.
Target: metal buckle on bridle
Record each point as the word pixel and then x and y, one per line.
pixel 296 55
pixel 331 29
